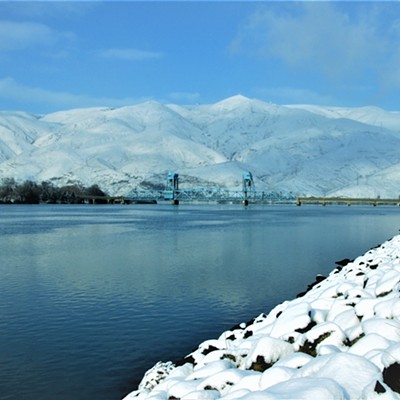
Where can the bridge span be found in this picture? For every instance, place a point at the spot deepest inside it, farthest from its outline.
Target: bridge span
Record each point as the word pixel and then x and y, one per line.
pixel 348 201
pixel 246 195
pixel 176 194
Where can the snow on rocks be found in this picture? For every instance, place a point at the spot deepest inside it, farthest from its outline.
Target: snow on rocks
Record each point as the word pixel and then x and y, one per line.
pixel 338 340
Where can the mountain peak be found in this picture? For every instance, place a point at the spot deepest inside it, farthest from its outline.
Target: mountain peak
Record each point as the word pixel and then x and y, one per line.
pixel 233 102
pixel 238 97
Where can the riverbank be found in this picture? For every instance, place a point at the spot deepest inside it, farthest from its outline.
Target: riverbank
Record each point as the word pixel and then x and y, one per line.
pixel 339 340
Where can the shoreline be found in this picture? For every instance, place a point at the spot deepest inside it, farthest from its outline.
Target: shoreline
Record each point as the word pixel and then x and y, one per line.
pixel 340 339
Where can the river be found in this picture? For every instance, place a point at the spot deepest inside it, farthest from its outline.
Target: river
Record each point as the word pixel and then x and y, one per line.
pixel 91 296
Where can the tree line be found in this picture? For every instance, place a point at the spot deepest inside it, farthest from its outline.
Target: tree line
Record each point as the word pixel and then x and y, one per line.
pixel 30 192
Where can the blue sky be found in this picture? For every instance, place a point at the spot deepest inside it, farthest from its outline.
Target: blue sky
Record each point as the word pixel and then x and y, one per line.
pixel 70 54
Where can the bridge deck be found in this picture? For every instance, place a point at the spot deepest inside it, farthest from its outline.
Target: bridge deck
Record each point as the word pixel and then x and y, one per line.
pixel 348 201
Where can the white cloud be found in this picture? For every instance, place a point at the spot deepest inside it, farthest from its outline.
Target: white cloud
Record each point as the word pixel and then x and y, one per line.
pixel 12 91
pixel 130 54
pixel 19 36
pixel 338 40
pixel 24 35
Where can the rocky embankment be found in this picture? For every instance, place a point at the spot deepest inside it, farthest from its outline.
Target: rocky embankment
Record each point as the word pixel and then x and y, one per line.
pixel 338 340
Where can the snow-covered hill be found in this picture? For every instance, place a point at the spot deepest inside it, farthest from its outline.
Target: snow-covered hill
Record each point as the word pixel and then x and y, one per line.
pixel 304 149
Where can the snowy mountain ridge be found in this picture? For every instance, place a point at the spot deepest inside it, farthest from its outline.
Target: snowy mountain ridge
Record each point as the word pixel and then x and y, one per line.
pixel 303 149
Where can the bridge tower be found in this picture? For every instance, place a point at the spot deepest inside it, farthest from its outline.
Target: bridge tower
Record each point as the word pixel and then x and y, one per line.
pixel 172 188
pixel 247 187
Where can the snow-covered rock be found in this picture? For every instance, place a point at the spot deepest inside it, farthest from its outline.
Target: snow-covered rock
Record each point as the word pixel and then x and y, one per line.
pixel 325 344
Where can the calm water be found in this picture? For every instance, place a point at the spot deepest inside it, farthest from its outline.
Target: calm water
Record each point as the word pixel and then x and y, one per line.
pixel 93 296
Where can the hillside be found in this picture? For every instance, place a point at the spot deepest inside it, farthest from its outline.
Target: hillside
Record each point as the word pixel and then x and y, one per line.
pixel 304 149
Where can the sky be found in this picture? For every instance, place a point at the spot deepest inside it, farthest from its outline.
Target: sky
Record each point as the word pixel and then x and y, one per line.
pixel 71 54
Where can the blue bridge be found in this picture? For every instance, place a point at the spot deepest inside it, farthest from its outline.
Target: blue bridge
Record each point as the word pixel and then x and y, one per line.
pixel 175 194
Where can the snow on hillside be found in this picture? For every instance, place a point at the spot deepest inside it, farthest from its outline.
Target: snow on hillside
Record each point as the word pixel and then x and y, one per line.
pixel 369 115
pixel 339 340
pixel 18 131
pixel 305 149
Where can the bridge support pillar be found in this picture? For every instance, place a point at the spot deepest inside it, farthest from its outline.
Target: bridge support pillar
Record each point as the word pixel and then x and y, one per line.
pixel 172 188
pixel 247 185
